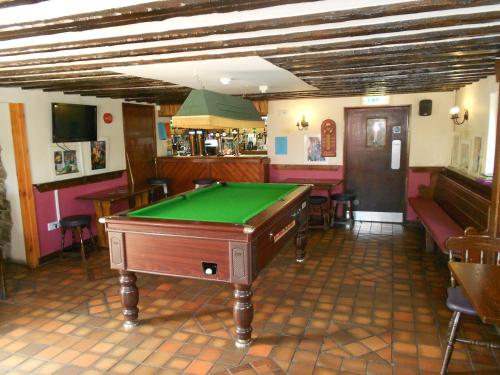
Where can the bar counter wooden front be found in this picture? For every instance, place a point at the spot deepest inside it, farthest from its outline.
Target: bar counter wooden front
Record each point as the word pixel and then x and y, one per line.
pixel 183 169
pixel 232 251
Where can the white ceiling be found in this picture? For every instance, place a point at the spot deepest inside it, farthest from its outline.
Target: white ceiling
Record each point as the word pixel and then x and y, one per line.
pixel 246 74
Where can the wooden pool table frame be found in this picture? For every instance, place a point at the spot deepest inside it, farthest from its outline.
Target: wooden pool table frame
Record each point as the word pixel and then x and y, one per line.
pixel 178 248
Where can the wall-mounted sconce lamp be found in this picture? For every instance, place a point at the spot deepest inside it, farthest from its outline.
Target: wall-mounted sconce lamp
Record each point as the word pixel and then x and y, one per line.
pixel 455 115
pixel 303 124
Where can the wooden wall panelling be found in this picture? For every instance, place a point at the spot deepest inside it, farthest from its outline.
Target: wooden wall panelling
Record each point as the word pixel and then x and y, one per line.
pixel 306 167
pixel 28 212
pixel 181 173
pixel 168 110
pixel 262 106
pixel 240 172
pixel 463 205
pixel 494 222
pixel 182 170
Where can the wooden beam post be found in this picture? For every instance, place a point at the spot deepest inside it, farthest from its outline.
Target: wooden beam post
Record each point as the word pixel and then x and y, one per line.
pixel 28 212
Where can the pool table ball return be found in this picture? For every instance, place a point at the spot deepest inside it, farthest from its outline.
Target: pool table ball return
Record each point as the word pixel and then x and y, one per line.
pixel 225 232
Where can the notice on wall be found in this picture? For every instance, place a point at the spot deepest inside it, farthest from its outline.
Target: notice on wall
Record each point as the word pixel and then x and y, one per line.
pixel 281 145
pixel 162 132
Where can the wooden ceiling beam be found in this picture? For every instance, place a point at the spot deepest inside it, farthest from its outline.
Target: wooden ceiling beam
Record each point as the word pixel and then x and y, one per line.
pixel 285 22
pixel 15 3
pixel 408 66
pixel 146 12
pixel 265 40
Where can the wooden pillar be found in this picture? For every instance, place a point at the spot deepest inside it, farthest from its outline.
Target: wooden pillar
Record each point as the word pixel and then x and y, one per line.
pixel 28 212
pixel 494 223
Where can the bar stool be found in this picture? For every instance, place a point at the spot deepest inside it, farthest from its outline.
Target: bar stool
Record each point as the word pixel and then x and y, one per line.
pixel 346 198
pixel 203 182
pixel 76 224
pixel 317 202
pixel 159 181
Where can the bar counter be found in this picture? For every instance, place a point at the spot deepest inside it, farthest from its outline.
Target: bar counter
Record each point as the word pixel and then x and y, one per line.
pixel 184 169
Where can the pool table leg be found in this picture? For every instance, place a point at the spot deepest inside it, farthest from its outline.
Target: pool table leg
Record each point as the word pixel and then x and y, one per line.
pixel 301 238
pixel 243 314
pixel 129 294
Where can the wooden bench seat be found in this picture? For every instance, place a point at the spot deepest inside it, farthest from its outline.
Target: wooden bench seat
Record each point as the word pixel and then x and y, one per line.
pixel 448 209
pixel 438 225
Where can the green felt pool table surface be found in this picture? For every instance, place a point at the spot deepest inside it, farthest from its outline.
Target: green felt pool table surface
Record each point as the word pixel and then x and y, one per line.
pixel 230 202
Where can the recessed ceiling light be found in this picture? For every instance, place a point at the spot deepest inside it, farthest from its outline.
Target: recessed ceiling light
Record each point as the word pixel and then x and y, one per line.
pixel 225 80
pixel 263 88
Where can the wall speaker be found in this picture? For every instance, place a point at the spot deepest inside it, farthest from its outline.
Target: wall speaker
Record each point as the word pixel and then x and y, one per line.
pixel 425 107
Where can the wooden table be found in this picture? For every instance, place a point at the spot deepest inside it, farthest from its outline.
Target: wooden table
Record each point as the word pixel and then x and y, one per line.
pixel 481 286
pixel 104 198
pixel 319 183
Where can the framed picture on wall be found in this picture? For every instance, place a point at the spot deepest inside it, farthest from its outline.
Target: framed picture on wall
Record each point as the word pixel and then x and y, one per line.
pixel 312 147
pixel 66 162
pixel 455 161
pixel 464 155
pixel 476 155
pixel 97 156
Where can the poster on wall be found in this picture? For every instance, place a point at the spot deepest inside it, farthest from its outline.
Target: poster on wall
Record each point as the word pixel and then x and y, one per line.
pixel 98 154
pixel 281 145
pixel 98 159
pixel 328 138
pixel 66 162
pixel 313 149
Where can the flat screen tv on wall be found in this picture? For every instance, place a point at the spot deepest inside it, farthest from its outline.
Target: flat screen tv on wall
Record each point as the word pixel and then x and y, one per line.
pixel 73 122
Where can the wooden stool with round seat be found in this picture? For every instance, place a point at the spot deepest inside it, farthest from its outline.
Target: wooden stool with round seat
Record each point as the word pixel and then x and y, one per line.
pixel 317 202
pixel 346 198
pixel 159 181
pixel 202 182
pixel 76 224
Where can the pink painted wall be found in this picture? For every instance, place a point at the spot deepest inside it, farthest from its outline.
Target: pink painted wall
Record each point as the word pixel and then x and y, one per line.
pixel 50 242
pixel 415 179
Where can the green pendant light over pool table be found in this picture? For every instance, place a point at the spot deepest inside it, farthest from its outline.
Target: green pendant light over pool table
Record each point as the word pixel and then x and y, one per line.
pixel 204 109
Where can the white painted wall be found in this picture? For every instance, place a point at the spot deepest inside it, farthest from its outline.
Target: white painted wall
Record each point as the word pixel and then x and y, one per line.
pixel 38 115
pixel 430 136
pixel 481 100
pixel 16 249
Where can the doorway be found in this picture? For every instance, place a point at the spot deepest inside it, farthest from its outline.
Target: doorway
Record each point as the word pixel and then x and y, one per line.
pixel 140 142
pixel 376 161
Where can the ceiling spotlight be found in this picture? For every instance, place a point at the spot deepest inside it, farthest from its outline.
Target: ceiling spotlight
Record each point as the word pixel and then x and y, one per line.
pixel 225 80
pixel 263 88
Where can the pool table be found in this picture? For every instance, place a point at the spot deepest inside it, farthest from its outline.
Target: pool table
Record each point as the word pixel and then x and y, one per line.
pixel 226 232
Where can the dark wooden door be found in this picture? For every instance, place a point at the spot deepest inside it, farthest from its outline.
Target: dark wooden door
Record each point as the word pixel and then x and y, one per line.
pixel 140 142
pixel 372 137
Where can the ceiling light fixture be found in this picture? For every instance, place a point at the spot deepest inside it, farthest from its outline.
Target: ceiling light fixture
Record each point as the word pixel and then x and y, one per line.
pixel 263 88
pixel 225 80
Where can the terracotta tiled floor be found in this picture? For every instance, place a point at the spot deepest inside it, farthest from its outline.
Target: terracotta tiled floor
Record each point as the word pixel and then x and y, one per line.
pixel 367 301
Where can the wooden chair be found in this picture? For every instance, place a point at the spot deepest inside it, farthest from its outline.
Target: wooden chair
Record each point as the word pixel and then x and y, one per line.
pixel 471 248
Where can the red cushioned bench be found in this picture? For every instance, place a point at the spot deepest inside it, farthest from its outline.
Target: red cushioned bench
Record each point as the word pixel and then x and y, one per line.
pixel 449 210
pixel 438 225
